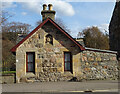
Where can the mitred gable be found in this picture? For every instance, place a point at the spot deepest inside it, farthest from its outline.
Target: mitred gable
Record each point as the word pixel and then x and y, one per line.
pixel 56 25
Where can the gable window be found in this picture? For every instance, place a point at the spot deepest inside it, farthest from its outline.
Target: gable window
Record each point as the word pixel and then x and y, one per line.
pixel 67 61
pixel 49 39
pixel 30 62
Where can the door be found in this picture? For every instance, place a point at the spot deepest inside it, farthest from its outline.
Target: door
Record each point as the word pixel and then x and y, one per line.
pixel 67 61
pixel 30 62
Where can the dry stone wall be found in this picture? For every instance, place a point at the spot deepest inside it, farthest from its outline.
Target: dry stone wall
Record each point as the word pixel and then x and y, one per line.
pixel 99 65
pixel 7 78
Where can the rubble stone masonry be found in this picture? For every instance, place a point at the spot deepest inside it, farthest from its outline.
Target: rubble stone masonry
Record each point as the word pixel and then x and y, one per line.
pixel 99 65
pixel 49 59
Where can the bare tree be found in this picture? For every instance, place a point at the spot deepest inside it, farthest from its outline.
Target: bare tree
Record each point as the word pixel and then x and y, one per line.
pixel 9 37
pixel 4 16
pixel 17 27
pixel 80 35
pixel 59 22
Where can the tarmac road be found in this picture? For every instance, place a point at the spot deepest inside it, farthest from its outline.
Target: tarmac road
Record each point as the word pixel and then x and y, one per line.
pixel 66 93
pixel 91 87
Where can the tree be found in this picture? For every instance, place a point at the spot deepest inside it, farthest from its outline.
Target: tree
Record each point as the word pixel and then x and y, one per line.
pixel 17 27
pixel 10 32
pixel 94 38
pixel 59 22
pixel 4 16
pixel 80 35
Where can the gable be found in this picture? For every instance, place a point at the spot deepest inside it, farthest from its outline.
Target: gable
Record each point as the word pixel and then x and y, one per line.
pixel 41 25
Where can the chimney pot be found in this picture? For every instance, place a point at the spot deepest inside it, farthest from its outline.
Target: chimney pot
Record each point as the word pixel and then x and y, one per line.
pixel 50 6
pixel 48 13
pixel 44 7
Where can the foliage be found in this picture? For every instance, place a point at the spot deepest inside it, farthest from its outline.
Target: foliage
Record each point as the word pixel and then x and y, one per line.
pixel 10 33
pixel 94 38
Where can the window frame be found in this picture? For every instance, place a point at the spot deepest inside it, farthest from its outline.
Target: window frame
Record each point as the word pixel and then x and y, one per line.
pixel 68 61
pixel 33 61
pixel 51 38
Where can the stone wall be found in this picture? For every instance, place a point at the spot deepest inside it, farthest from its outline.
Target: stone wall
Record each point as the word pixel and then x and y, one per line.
pixel 49 58
pixel 7 78
pixel 99 65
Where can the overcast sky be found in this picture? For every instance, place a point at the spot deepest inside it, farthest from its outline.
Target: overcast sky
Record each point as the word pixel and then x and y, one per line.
pixel 76 15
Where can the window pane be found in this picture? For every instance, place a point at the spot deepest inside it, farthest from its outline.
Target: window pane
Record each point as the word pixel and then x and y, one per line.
pixel 30 66
pixel 30 57
pixel 67 56
pixel 67 66
pixel 30 62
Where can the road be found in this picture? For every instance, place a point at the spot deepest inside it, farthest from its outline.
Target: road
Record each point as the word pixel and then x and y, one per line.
pixel 66 93
pixel 63 87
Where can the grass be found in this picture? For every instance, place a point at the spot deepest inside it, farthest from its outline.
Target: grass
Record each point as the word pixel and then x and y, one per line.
pixel 7 72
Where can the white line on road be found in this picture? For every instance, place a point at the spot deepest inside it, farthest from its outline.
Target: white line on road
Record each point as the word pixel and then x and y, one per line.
pixel 109 90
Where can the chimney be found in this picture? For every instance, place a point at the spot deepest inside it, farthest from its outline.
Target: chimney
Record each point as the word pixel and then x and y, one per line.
pixel 81 41
pixel 48 13
pixel 44 7
pixel 50 7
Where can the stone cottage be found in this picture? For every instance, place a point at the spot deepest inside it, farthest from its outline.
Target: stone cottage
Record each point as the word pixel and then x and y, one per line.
pixel 49 53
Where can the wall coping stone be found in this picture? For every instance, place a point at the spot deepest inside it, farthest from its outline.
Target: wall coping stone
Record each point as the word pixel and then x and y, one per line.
pixel 99 50
pixel 8 74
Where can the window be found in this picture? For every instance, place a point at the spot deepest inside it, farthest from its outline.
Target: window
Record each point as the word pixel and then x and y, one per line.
pixel 67 61
pixel 30 62
pixel 49 39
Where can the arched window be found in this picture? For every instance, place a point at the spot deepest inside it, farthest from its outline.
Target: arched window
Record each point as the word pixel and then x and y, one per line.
pixel 49 39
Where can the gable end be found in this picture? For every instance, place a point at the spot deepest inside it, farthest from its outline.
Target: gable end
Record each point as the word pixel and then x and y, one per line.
pixel 56 25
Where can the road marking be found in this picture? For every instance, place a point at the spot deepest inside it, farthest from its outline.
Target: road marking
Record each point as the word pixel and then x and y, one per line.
pixel 73 91
pixel 109 90
pixel 115 90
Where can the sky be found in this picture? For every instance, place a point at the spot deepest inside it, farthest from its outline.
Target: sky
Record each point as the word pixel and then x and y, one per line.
pixel 75 15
